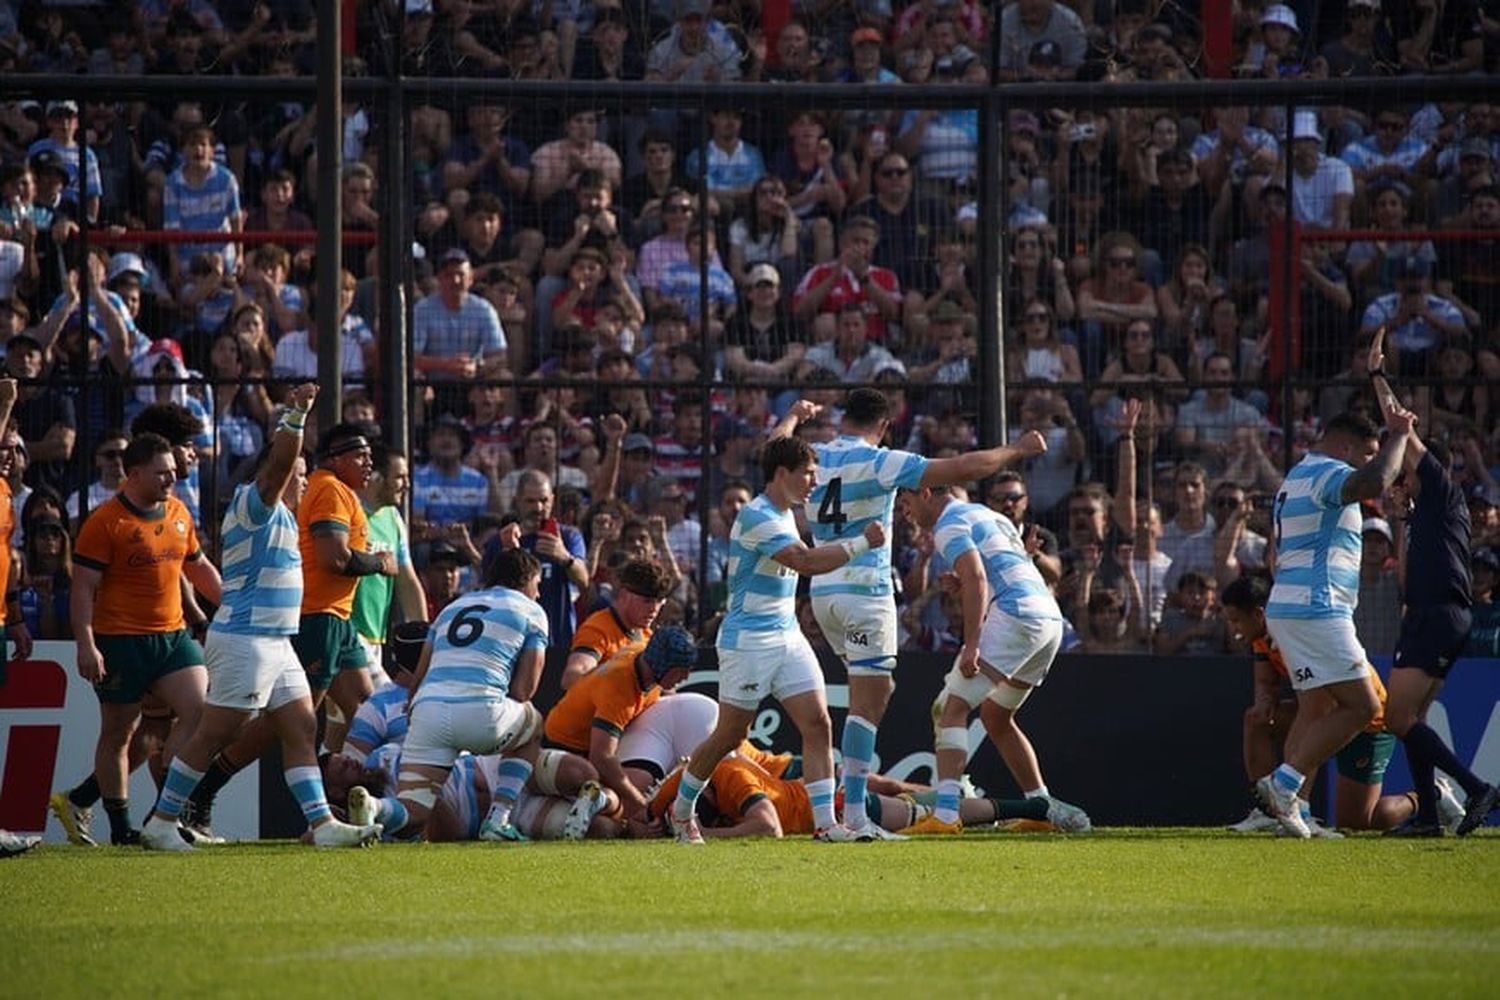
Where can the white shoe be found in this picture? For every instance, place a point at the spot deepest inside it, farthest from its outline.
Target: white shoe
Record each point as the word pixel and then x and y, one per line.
pixel 1067 817
pixel 967 789
pixel 336 834
pixel 363 806
pixel 1255 821
pixel 1450 809
pixel 12 844
pixel 1319 831
pixel 591 801
pixel 838 833
pixel 1284 805
pixel 686 830
pixel 870 830
pixel 163 835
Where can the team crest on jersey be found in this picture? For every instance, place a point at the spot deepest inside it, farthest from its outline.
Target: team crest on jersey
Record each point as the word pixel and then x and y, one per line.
pixel 158 530
pixel 137 535
pixel 180 525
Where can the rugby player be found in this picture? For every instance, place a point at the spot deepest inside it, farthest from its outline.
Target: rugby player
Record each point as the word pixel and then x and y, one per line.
pixel 127 614
pixel 1361 763
pixel 478 671
pixel 1310 611
pixel 1008 648
pixel 1438 592
pixel 595 713
pixel 641 588
pixel 249 656
pixel 855 604
pixel 10 608
pixel 761 649
pixel 333 539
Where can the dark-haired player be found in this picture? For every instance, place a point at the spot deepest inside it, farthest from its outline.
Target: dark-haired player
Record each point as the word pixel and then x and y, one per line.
pixel 761 649
pixel 855 604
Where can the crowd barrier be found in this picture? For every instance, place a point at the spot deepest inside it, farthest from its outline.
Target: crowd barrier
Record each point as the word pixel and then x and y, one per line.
pixel 1136 740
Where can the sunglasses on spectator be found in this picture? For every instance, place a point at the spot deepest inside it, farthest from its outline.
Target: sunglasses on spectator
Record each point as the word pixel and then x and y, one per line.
pixel 764 284
pixel 1004 498
pixel 1122 262
pixel 895 171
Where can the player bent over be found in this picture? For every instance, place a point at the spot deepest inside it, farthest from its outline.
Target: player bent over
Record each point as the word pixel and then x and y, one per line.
pixel 1008 649
pixel 761 649
pixel 855 604
pixel 478 671
pixel 1310 612
pixel 251 664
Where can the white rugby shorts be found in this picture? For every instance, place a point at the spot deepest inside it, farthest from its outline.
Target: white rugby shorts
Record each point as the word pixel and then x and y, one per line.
pixel 667 731
pixel 252 672
pixel 1021 649
pixel 861 630
pixel 785 669
pixel 1318 651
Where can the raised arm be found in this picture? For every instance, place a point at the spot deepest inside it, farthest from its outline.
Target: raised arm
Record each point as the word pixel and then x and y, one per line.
pixel 271 480
pixel 976 465
pixel 1123 510
pixel 1377 475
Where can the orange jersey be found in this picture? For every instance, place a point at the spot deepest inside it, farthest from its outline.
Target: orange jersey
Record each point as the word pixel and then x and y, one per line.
pixel 774 764
pixel 738 783
pixel 7 529
pixel 328 505
pixel 140 555
pixel 1266 652
pixel 607 697
pixel 603 634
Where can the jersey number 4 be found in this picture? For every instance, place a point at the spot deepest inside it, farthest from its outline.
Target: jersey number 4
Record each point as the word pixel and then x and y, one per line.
pixel 831 510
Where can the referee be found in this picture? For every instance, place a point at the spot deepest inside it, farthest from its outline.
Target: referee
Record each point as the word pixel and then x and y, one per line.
pixel 1435 626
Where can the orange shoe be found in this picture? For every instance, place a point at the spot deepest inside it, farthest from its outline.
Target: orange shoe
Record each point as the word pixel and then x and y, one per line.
pixel 931 824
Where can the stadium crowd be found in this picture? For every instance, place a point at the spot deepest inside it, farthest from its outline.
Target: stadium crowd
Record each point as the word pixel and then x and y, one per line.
pixel 590 247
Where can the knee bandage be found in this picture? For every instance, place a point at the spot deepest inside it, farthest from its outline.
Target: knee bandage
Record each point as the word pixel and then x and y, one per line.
pixel 1009 696
pixel 545 772
pixel 953 738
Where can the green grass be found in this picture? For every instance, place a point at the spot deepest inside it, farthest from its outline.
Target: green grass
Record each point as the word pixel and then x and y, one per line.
pixel 1120 912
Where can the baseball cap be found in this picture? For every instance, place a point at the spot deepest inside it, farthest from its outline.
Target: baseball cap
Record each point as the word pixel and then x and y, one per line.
pixel 1474 146
pixel 418 7
pixel 1371 4
pixel 166 345
pixel 48 159
pixel 864 36
pixel 126 263
pixel 455 255
pixel 67 107
pixel 1487 556
pixel 637 442
pixel 442 551
pixel 765 272
pixel 692 8
pixel 1280 13
pixel 1380 526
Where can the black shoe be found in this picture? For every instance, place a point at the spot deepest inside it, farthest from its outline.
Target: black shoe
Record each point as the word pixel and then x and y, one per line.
pixel 1412 828
pixel 1477 810
pixel 131 838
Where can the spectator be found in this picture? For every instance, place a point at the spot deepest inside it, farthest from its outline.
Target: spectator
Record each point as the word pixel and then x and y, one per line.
pixel 1416 320
pixel 1176 212
pixel 669 501
pixel 681 454
pixel 659 254
pixel 265 283
pixel 1036 273
pixel 907 223
pixel 1372 264
pixel 539 453
pixel 1027 24
pixel 1238 547
pixel 456 335
pixel 560 549
pixel 609 52
pixel 1138 361
pixel 201 196
pixel 1051 475
pixel 1322 187
pixel 277 211
pixel 1484 634
pixel 807 166
pixel 1192 625
pixel 242 408
pixel 44 416
pixel 45 587
pixel 557 165
pixel 644 195
pixel 1188 539
pixel 1393 155
pixel 109 468
pixel 1377 617
pixel 1206 424
pixel 297 351
pixel 850 279
pixel 442 576
pixel 486 159
pixel 1467 274
pixel 1364 49
pixel 769 232
pixel 1440 37
pixel 729 165
pixel 1107 621
pixel 852 355
pixel 81 164
pixel 1115 300
pixel 683 284
pixel 1470 170
pixel 941 144
pixel 691 52
pixel 1184 300
pixel 445 491
pixel 1041 355
pixel 1234 150
pixel 951 359
pixel 733 496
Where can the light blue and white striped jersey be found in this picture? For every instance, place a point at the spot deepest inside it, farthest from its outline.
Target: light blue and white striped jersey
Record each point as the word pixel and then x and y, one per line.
pixel 382 718
pixel 1318 542
pixel 1017 588
pixel 476 641
pixel 262 568
pixel 762 592
pixel 208 207
pixel 857 483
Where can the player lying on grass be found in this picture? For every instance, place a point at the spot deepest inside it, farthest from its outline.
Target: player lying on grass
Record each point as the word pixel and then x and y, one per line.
pixel 1361 764
pixel 464 800
pixel 1012 631
pixel 744 799
pixel 606 704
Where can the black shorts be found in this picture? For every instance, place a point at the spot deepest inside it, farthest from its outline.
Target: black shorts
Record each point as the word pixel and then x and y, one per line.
pixel 1432 638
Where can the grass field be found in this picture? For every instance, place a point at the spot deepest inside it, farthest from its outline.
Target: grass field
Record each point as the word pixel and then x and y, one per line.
pixel 1119 912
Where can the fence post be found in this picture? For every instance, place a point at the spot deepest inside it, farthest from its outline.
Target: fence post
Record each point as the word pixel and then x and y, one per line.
pixel 330 147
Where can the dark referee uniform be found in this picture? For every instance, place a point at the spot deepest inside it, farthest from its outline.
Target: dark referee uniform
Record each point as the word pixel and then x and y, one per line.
pixel 1438 585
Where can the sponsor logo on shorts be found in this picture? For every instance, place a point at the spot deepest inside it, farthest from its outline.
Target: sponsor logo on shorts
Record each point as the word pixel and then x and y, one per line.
pixel 750 686
pixel 1303 674
pixel 857 639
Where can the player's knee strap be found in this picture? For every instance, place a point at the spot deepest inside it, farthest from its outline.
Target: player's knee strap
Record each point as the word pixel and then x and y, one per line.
pixel 952 738
pixel 333 713
pixel 1009 696
pixel 545 771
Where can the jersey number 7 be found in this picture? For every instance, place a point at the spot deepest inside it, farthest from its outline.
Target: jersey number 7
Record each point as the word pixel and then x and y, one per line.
pixel 831 510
